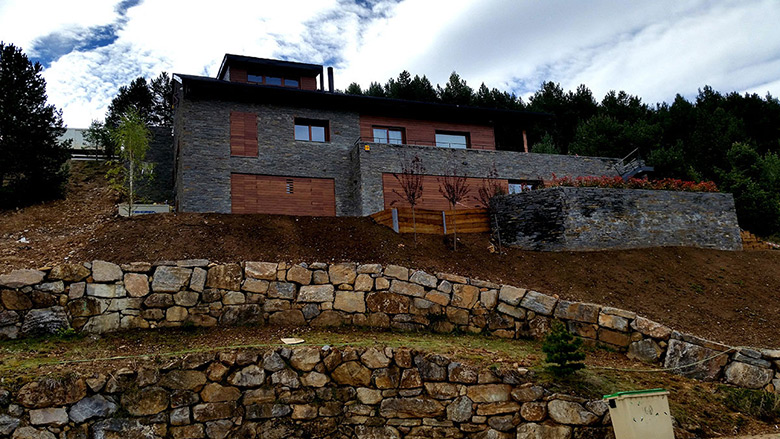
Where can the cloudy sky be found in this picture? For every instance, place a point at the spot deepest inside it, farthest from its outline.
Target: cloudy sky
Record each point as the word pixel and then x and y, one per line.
pixel 653 49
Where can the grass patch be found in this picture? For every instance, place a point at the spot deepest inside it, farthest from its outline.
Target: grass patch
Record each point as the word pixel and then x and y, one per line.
pixel 756 403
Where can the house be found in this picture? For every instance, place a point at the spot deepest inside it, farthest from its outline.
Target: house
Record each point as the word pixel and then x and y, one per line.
pixel 266 136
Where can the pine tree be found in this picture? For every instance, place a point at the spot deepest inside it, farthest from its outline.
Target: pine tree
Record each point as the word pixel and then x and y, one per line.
pixel 563 351
pixel 354 89
pixel 32 159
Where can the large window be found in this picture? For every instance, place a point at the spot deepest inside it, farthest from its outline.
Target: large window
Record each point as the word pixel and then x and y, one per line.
pixel 311 130
pixel 273 80
pixel 452 139
pixel 389 135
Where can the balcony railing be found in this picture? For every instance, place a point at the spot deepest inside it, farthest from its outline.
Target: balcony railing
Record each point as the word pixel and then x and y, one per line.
pixel 478 146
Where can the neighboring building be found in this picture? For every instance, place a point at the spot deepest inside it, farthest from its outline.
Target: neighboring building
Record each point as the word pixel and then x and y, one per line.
pixel 80 150
pixel 265 136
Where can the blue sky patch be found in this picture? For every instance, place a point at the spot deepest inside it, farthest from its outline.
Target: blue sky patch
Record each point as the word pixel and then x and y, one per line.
pixel 50 48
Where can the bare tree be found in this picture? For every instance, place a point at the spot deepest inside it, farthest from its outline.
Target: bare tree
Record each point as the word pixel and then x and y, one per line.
pixel 491 186
pixel 411 181
pixel 455 189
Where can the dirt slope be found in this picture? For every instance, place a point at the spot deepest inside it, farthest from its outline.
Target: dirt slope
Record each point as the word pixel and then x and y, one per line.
pixel 732 297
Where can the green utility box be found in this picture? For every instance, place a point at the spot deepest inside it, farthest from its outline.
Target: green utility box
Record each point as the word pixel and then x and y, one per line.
pixel 641 414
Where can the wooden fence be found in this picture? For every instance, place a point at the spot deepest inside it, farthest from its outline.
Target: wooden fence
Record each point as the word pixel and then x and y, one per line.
pixel 434 222
pixel 752 242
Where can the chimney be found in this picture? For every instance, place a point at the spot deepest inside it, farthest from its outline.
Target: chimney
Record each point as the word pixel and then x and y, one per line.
pixel 322 80
pixel 330 79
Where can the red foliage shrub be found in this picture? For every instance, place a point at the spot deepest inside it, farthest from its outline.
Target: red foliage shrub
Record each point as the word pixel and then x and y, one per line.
pixel 666 184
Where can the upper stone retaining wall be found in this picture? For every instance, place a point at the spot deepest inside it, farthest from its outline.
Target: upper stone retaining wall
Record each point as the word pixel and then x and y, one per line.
pixel 101 297
pixel 300 392
pixel 571 218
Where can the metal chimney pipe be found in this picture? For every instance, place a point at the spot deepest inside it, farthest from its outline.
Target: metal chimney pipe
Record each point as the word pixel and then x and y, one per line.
pixel 330 79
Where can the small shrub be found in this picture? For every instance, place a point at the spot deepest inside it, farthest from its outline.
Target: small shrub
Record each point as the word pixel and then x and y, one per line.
pixel 756 403
pixel 564 355
pixel 67 334
pixel 666 184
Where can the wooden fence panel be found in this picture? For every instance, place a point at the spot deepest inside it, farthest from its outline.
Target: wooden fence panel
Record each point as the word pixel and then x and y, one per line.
pixel 430 221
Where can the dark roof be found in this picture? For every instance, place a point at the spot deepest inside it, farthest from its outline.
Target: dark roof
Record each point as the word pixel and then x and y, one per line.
pixel 206 88
pixel 266 64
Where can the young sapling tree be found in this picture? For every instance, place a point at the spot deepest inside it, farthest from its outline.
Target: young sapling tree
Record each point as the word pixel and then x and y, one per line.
pixel 411 181
pixel 454 188
pixel 132 137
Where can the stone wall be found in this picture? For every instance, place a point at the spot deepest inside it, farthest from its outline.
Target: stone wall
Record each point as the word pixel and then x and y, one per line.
pixel 299 392
pixel 513 165
pixel 101 297
pixel 569 218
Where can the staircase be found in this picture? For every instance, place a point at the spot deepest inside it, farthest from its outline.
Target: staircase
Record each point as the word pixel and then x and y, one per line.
pixel 632 165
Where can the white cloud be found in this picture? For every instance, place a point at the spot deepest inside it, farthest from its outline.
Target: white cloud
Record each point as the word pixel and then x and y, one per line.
pixel 652 49
pixel 23 21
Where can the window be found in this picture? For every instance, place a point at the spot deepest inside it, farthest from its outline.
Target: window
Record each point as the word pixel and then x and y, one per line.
pixel 518 186
pixel 273 80
pixel 311 130
pixel 389 135
pixel 451 139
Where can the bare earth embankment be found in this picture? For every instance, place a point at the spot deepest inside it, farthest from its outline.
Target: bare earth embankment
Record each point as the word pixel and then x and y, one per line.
pixel 731 297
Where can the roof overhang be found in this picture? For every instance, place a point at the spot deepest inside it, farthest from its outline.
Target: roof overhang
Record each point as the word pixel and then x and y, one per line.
pixel 205 88
pixel 269 66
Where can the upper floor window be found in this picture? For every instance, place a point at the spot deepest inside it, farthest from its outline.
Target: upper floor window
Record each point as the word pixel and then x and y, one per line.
pixel 389 135
pixel 311 130
pixel 452 139
pixel 273 80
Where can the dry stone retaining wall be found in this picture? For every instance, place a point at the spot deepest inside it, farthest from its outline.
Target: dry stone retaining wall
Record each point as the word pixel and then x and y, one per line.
pixel 589 218
pixel 101 297
pixel 300 392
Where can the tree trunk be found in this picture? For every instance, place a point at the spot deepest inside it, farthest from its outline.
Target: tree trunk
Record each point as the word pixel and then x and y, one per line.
pixel 131 198
pixel 454 230
pixel 414 225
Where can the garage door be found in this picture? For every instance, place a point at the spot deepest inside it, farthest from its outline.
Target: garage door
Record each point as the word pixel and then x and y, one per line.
pixel 282 195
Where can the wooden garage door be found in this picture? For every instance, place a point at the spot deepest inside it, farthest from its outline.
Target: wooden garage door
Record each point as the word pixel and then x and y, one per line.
pixel 432 198
pixel 282 195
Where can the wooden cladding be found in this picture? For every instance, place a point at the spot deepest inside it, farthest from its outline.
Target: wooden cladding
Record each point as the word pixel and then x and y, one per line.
pixel 243 134
pixel 237 75
pixel 308 83
pixel 423 132
pixel 432 221
pixel 431 198
pixel 282 195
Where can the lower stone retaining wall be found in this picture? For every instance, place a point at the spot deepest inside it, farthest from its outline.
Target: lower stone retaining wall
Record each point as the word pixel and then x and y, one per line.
pixel 575 218
pixel 101 297
pixel 300 392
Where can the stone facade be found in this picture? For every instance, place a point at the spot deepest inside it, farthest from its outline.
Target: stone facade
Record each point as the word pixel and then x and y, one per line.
pixel 102 297
pixel 160 188
pixel 204 161
pixel 569 218
pixel 204 164
pixel 300 392
pixel 383 158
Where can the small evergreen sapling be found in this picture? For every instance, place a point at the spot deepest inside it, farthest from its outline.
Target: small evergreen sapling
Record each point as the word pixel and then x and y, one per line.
pixel 563 351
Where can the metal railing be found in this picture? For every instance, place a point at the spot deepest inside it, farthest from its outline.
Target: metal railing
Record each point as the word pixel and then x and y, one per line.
pixel 631 165
pixel 480 146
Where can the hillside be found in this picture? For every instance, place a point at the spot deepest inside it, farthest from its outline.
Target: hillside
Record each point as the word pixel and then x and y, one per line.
pixel 731 297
